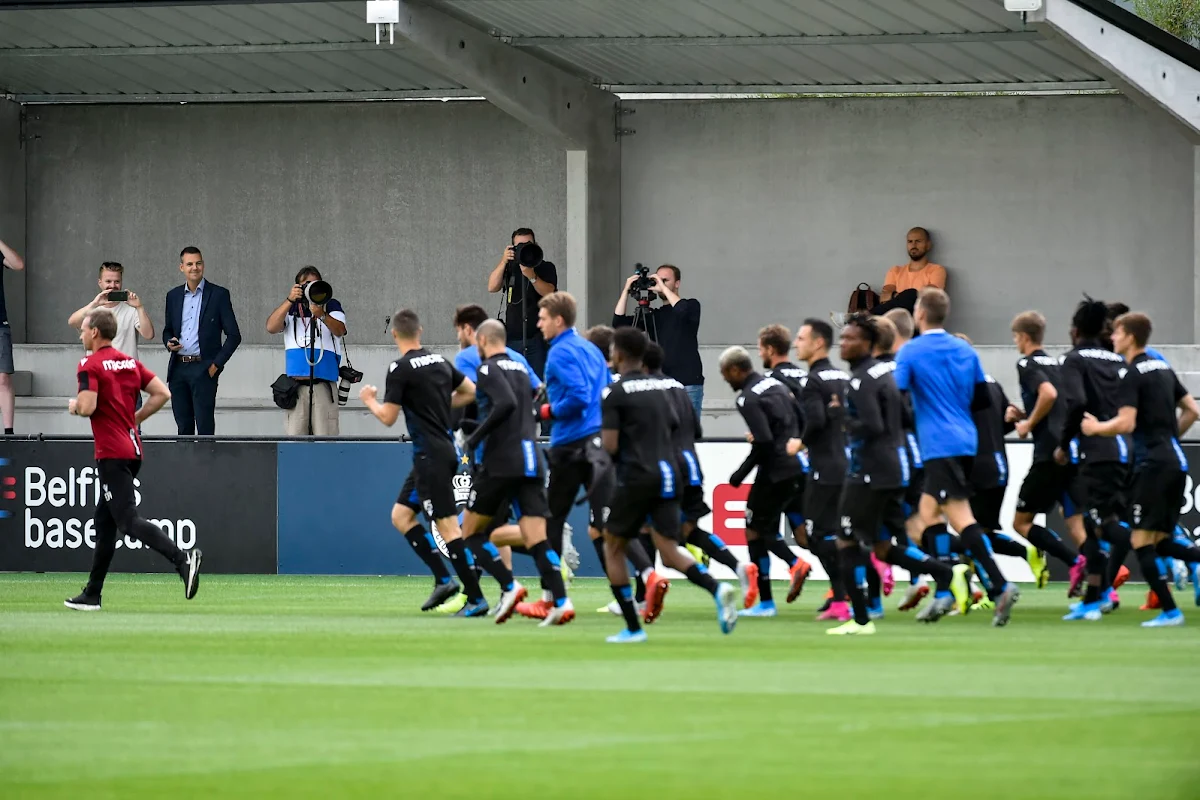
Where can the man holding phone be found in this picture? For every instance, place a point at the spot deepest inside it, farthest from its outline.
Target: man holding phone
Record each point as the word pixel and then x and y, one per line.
pixel 126 306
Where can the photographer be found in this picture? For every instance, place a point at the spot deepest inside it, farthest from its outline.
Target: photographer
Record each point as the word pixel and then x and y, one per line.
pixel 525 279
pixel 674 325
pixel 324 325
pixel 126 306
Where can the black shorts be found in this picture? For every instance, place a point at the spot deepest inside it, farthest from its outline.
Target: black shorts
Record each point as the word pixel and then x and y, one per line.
pixel 430 486
pixel 575 465
pixel 764 507
pixel 947 479
pixel 1044 486
pixel 1102 490
pixel 985 506
pixel 912 494
pixel 1156 498
pixel 870 516
pixel 821 507
pixel 692 506
pixel 794 510
pixel 638 505
pixel 526 497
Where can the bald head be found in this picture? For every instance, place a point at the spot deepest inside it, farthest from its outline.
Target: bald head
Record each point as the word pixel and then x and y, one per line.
pixel 490 337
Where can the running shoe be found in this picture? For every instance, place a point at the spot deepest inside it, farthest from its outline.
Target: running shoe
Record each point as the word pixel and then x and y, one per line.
pixel 748 578
pixel 799 572
pixel 852 628
pixel 1167 619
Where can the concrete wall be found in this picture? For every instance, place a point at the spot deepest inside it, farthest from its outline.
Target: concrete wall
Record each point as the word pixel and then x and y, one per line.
pixel 397 203
pixel 776 210
pixel 12 210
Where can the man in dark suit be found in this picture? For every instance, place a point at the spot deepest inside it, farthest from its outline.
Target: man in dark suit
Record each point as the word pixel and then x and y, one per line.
pixel 198 312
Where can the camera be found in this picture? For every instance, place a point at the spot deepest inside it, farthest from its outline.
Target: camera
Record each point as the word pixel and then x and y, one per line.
pixel 643 288
pixel 527 254
pixel 117 296
pixel 317 292
pixel 348 376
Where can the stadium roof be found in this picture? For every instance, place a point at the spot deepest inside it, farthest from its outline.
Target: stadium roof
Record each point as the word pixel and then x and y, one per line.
pixel 276 51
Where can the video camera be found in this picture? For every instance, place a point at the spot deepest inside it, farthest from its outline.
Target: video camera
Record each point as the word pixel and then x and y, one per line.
pixel 642 289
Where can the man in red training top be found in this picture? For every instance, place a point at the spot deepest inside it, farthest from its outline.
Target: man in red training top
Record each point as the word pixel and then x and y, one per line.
pixel 109 382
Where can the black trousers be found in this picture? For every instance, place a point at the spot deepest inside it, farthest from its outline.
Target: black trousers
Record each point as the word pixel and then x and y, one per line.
pixel 117 513
pixel 194 399
pixel 534 350
pixel 906 300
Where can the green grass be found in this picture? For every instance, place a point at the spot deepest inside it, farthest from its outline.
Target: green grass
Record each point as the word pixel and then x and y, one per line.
pixel 339 687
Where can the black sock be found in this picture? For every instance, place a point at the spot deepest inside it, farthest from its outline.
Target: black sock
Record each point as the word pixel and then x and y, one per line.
pixel 1177 549
pixel 551 568
pixel 1120 542
pixel 625 600
pixel 599 545
pixel 9 431
pixel 635 551
pixel 519 549
pixel 1097 564
pixel 1156 577
pixel 1049 541
pixel 828 555
pixel 699 576
pixel 940 544
pixel 712 546
pixel 918 562
pixel 780 549
pixel 762 559
pixel 854 572
pixel 975 542
pixel 874 585
pixel 423 545
pixel 554 533
pixel 462 562
pixel 487 558
pixel 1006 546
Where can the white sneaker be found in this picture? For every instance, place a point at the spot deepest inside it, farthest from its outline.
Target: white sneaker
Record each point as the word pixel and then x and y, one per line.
pixel 508 602
pixel 570 555
pixel 559 615
pixel 614 608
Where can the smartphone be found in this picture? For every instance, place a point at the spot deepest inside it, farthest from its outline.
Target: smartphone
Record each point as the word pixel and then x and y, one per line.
pixel 118 295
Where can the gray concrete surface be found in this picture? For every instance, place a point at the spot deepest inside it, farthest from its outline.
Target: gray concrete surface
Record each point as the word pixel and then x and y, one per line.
pixel 775 210
pixel 12 210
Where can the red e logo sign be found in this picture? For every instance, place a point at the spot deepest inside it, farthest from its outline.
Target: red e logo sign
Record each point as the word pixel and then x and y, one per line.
pixel 729 512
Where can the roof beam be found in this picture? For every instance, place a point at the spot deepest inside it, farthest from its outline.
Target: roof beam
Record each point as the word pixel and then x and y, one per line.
pixel 187 50
pixel 863 88
pixel 249 97
pixel 772 41
pixel 1131 55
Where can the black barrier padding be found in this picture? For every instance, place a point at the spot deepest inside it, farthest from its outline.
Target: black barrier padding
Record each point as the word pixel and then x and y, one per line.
pixel 216 495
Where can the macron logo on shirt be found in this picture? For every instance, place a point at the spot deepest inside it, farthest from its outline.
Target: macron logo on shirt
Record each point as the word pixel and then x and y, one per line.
pixel 112 364
pixel 425 361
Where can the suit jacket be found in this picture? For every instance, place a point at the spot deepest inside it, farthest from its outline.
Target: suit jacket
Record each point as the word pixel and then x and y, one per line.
pixel 216 317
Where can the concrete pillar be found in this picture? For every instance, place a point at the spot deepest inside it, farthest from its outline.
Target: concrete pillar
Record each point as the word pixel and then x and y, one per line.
pixel 1196 244
pixel 12 210
pixel 594 231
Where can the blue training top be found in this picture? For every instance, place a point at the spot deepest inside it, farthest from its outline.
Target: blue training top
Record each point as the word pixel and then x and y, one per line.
pixel 940 372
pixel 575 376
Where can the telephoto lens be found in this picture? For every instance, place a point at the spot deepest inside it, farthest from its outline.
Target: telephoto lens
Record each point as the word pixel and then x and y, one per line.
pixel 343 390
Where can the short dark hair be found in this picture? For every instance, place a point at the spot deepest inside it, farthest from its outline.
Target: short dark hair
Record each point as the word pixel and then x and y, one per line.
pixel 653 359
pixel 936 304
pixel 308 270
pixel 1090 318
pixel 630 342
pixel 103 321
pixel 522 232
pixel 1032 324
pixel 560 304
pixel 821 328
pixel 190 250
pixel 1116 309
pixel 866 324
pixel 676 271
pixel 924 232
pixel 1136 325
pixel 111 266
pixel 776 337
pixel 472 315
pixel 406 323
pixel 602 337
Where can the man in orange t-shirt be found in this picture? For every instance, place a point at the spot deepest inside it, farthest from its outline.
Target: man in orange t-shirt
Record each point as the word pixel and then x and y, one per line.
pixel 903 284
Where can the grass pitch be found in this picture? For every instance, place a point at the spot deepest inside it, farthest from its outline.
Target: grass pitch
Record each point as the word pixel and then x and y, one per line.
pixel 338 687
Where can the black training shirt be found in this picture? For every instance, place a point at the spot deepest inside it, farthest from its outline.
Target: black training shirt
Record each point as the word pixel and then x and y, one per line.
pixel 823 435
pixel 1032 371
pixel 766 406
pixel 907 418
pixel 676 329
pixel 686 434
pixel 1152 387
pixel 639 407
pixel 792 377
pixel 512 296
pixel 990 468
pixel 509 431
pixel 1091 375
pixel 420 383
pixel 874 427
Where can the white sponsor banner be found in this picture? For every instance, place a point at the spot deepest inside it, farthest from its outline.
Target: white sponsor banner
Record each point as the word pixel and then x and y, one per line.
pixel 718 460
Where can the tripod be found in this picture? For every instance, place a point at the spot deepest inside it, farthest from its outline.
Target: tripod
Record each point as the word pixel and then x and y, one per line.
pixel 312 359
pixel 643 318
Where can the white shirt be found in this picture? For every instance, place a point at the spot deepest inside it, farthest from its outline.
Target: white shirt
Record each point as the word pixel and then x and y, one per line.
pixel 127 329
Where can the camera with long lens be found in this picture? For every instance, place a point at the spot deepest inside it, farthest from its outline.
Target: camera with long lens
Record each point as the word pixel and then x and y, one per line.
pixel 347 376
pixel 642 289
pixel 317 292
pixel 527 254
